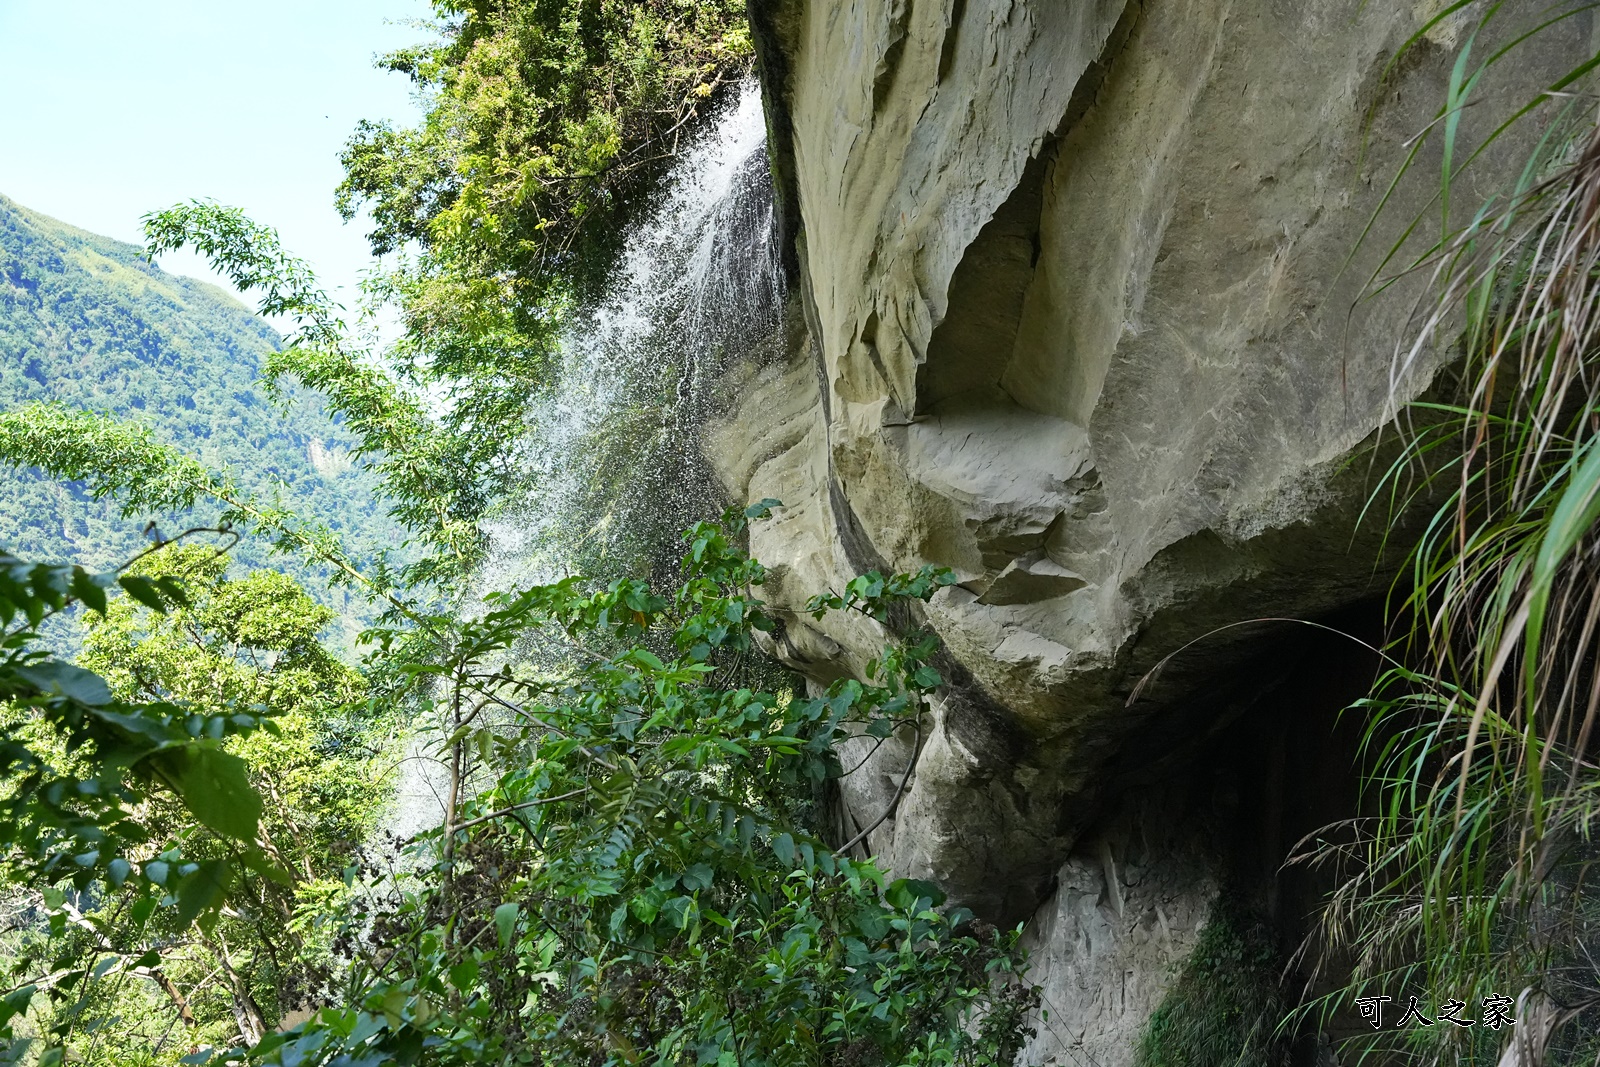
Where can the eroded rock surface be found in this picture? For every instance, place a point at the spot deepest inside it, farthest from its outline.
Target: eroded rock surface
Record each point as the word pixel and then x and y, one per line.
pixel 1080 316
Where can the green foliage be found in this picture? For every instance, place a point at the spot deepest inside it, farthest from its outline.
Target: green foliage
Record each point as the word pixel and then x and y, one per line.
pixel 214 785
pixel 548 124
pixel 119 459
pixel 251 642
pixel 636 883
pixel 436 477
pixel 623 814
pixel 86 323
pixel 876 596
pixel 542 112
pixel 77 765
pixel 626 870
pixel 1225 1007
pixel 633 881
pixel 546 120
pixel 57 823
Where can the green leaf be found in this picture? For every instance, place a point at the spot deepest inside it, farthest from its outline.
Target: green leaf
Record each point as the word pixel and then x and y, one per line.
pixel 647 905
pixel 697 877
pixel 173 590
pixel 675 912
pixel 505 921
pixel 144 591
pixel 647 659
pixel 215 787
pixel 259 862
pixel 904 893
pixel 203 891
pixel 394 1006
pixel 1574 516
pixel 16 1002
pixel 144 726
pixel 74 683
pixel 783 848
pixel 89 588
pixel 463 974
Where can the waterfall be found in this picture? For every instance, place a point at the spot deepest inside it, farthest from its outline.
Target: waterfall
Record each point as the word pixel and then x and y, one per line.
pixel 613 456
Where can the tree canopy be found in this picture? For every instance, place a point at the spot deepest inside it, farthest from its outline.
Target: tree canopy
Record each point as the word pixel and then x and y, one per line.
pixel 547 121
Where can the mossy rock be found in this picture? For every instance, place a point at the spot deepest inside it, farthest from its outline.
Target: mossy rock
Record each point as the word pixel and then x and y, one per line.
pixel 1225 1007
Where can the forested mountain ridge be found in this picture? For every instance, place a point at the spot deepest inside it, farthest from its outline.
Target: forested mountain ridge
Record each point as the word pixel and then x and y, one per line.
pixel 86 321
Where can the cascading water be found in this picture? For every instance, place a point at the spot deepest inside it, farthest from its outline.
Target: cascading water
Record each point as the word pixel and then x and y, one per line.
pixel 614 456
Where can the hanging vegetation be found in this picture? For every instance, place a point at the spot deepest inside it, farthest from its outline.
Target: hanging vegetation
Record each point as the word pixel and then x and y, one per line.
pixel 546 121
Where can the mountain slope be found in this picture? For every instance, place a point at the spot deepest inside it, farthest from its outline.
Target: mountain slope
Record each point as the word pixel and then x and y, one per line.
pixel 84 320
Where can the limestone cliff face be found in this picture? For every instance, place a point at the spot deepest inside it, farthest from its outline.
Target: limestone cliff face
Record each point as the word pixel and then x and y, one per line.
pixel 1080 316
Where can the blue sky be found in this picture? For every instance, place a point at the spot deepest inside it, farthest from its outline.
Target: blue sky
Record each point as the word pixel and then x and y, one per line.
pixel 112 108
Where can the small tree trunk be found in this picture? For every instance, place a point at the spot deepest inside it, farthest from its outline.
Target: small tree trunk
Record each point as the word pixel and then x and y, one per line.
pixel 174 994
pixel 246 1012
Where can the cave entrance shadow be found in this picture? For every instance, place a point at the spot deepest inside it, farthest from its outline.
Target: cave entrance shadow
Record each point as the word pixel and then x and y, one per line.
pixel 1251 764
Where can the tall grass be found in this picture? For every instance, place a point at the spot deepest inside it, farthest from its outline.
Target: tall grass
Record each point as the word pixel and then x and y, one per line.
pixel 1468 874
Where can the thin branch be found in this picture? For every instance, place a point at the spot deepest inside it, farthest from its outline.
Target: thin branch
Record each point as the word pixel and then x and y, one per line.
pixel 905 780
pixel 516 808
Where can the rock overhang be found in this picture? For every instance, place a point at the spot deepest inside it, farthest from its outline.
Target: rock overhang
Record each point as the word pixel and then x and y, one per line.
pixel 1079 315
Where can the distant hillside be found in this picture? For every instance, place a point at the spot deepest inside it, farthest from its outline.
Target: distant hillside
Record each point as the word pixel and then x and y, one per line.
pixel 84 320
